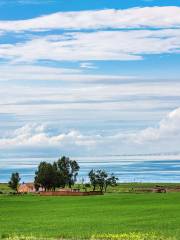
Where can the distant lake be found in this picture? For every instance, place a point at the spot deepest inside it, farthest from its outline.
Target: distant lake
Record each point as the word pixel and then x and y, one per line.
pixel 126 168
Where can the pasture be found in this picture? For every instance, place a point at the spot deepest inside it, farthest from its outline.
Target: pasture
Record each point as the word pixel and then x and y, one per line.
pixel 83 217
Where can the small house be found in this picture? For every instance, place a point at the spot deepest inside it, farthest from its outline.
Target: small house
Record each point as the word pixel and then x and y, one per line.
pixel 26 188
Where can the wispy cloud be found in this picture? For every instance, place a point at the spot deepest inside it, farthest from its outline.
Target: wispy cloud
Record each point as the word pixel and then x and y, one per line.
pixel 155 17
pixel 87 65
pixel 110 35
pixel 25 72
pixel 102 45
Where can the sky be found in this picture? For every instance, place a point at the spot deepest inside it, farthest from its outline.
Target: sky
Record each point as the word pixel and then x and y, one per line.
pixel 89 78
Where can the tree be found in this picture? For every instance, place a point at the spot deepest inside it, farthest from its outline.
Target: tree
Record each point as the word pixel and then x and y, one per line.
pixel 93 179
pixel 74 168
pixel 67 171
pixel 46 176
pixel 102 179
pixel 63 170
pixel 14 181
pixel 111 181
pixel 59 174
pixel 36 185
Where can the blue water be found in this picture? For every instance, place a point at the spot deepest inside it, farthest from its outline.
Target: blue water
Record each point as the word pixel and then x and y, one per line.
pixel 126 168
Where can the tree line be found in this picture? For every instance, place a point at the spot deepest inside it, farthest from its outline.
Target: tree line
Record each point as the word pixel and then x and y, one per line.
pixel 62 173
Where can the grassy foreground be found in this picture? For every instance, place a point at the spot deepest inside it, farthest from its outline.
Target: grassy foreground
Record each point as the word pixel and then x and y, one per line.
pixel 91 217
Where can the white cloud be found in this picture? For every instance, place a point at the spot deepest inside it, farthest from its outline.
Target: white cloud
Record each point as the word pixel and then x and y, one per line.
pixel 87 65
pixel 157 17
pixel 55 100
pixel 77 47
pixel 39 136
pixel 34 135
pixel 102 45
pixel 168 129
pixel 34 72
pixel 23 72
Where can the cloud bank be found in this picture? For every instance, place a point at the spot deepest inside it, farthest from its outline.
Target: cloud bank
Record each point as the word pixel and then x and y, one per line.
pixel 167 130
pixel 40 136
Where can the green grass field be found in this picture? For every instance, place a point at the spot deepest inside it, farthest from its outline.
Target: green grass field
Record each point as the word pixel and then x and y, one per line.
pixel 4 188
pixel 121 187
pixel 81 217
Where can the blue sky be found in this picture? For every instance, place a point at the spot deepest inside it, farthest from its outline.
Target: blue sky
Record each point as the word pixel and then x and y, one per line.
pixel 89 77
pixel 14 9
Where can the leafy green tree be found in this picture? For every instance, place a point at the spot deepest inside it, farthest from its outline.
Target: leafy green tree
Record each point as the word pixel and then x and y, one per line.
pixel 59 174
pixel 110 181
pixel 36 185
pixel 93 179
pixel 101 179
pixel 74 168
pixel 67 171
pixel 14 181
pixel 58 177
pixel 63 170
pixel 46 176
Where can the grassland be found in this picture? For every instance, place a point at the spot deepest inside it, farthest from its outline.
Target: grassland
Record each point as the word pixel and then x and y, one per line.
pixel 121 187
pixel 4 188
pixel 82 217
